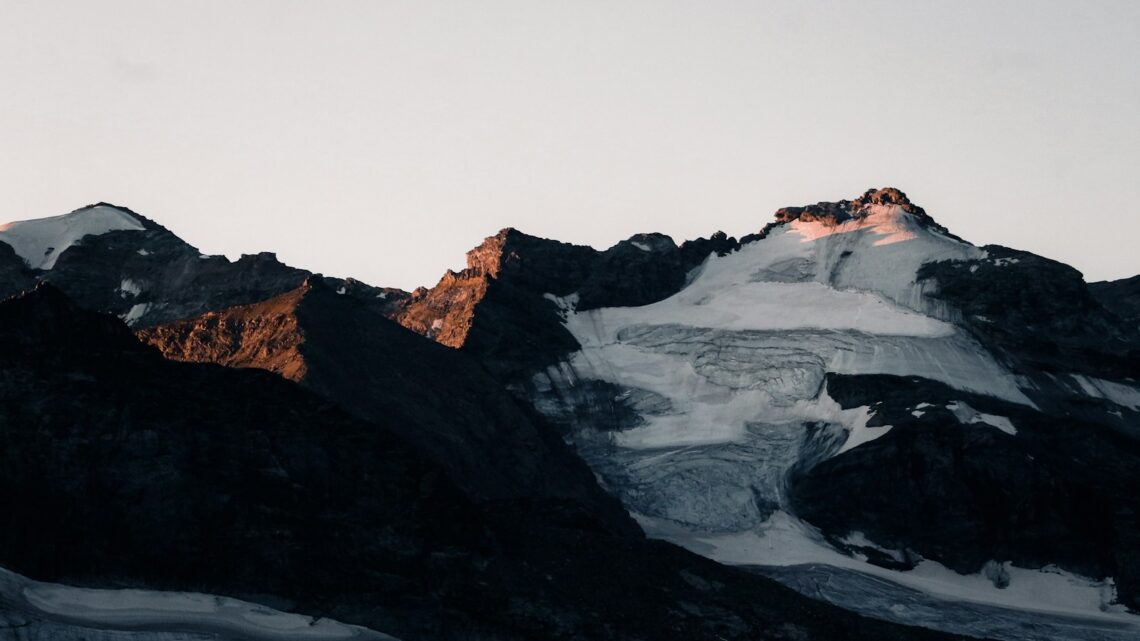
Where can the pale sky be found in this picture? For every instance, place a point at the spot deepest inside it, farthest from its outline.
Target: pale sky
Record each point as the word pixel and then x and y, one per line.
pixel 382 140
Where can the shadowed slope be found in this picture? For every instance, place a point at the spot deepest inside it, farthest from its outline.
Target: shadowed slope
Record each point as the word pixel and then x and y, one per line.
pixel 438 398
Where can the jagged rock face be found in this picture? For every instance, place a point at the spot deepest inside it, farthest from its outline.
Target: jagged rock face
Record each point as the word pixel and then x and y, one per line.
pixel 144 274
pixel 504 307
pixel 437 398
pixel 1037 312
pixel 15 276
pixel 263 335
pixel 121 468
pixel 501 278
pixel 835 213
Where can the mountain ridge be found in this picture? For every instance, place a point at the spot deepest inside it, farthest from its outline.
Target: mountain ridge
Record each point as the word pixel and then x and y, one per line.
pixel 832 378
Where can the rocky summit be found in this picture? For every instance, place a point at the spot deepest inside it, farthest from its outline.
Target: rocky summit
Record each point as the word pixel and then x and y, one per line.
pixel 848 424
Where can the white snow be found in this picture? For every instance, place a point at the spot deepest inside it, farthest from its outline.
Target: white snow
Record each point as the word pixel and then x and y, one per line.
pixel 773 306
pixel 784 540
pixel 129 288
pixel 860 540
pixel 147 609
pixel 858 432
pixel 40 242
pixel 341 291
pixel 135 313
pixel 880 253
pixel 966 414
pixel 642 246
pixel 1118 393
pixel 143 252
pixel 566 304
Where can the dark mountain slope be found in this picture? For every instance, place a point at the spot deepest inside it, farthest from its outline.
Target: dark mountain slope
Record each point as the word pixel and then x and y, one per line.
pixel 1056 491
pixel 122 468
pixel 1121 296
pixel 1040 313
pixel 437 398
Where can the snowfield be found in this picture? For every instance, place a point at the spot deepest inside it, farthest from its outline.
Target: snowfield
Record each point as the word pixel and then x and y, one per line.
pixel 783 541
pixel 171 611
pixel 40 242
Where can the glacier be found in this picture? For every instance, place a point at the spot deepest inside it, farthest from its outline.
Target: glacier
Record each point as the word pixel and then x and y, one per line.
pixel 696 409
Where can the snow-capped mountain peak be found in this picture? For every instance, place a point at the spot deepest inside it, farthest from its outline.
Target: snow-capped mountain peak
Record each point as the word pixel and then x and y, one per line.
pixel 41 241
pixel 887 212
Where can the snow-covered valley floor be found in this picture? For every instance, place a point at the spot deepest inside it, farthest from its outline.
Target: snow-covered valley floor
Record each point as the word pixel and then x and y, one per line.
pixel 36 610
pixel 1046 603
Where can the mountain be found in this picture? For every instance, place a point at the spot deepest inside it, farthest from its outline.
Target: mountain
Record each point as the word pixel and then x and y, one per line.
pixel 503 307
pixel 852 401
pixel 122 469
pixel 440 399
pixel 112 259
pixel 853 372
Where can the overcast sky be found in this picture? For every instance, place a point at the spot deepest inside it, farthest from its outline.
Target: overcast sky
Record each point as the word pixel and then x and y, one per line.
pixel 383 139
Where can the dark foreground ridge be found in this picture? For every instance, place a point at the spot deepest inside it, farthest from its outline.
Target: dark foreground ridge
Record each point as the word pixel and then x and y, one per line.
pixel 123 469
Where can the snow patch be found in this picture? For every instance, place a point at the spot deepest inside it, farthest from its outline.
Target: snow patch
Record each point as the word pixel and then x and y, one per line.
pixel 784 540
pixel 1118 393
pixel 642 246
pixel 341 291
pixel 889 222
pixel 143 252
pixel 129 288
pixel 135 313
pixel 966 414
pixel 566 304
pixel 859 540
pixel 40 242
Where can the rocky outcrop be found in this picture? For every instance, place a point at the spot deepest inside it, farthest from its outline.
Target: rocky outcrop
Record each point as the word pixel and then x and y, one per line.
pixel 1037 312
pixel 506 307
pixel 1122 297
pixel 835 213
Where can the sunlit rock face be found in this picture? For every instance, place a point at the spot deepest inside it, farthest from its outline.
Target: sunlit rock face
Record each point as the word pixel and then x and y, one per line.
pixel 505 308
